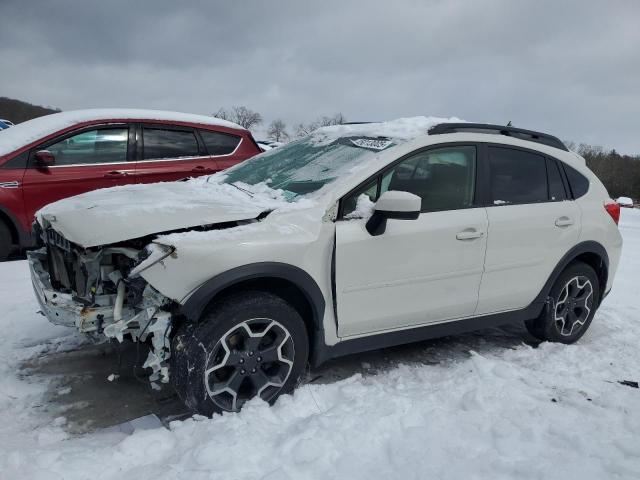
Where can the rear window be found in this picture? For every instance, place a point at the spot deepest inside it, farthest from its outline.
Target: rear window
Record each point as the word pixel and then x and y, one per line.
pixel 219 143
pixel 164 143
pixel 579 183
pixel 517 176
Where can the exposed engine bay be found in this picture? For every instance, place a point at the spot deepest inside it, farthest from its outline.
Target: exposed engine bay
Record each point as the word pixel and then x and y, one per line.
pixel 99 291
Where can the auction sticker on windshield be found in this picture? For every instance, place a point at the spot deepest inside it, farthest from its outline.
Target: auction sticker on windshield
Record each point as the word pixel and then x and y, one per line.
pixel 372 143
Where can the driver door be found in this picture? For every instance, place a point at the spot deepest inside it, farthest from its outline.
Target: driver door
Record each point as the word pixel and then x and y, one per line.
pixel 87 159
pixel 418 271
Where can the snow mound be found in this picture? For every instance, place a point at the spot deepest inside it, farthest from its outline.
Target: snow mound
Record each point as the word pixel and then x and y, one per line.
pixel 484 406
pixel 32 130
pixel 401 129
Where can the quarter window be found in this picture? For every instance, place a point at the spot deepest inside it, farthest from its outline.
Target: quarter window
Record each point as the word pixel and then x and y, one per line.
pixel 578 182
pixel 162 143
pixel 517 176
pixel 104 145
pixel 219 143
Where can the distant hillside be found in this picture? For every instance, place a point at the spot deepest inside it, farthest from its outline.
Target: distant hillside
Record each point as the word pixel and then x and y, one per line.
pixel 17 111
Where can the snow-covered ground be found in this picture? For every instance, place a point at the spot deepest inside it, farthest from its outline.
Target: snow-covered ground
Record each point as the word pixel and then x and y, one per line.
pixel 478 407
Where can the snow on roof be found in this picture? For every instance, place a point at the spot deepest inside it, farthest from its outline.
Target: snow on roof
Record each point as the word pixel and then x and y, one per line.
pixel 32 130
pixel 401 129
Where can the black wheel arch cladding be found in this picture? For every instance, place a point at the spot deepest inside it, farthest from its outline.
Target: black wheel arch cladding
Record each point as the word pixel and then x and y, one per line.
pixel 207 292
pixel 590 248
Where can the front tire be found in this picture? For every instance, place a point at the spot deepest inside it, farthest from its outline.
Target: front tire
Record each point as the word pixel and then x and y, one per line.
pixel 250 344
pixel 574 300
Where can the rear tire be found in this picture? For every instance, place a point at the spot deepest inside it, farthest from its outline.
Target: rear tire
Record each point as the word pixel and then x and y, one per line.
pixel 573 303
pixel 6 243
pixel 249 344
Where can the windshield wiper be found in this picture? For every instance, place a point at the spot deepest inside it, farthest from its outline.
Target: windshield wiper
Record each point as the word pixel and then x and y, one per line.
pixel 242 189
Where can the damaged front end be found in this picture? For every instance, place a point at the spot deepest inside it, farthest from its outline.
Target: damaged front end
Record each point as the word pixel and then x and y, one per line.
pixel 99 291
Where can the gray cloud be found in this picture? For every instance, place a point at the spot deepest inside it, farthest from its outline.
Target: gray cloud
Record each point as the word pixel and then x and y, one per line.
pixel 570 68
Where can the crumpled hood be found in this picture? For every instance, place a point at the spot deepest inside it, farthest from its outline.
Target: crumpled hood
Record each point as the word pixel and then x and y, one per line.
pixel 111 215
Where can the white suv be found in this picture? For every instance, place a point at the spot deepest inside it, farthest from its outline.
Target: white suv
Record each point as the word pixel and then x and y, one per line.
pixel 354 238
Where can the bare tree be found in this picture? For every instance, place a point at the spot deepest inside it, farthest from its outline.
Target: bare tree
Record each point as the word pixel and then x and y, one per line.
pixel 278 131
pixel 241 115
pixel 223 114
pixel 304 129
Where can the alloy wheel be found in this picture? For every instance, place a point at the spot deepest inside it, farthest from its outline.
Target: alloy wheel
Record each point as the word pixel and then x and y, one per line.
pixel 573 306
pixel 254 358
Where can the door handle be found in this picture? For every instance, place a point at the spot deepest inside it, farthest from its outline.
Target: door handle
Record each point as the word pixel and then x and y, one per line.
pixel 469 234
pixel 563 222
pixel 115 174
pixel 201 169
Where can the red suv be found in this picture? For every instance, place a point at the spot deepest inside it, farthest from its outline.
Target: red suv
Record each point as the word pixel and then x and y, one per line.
pixel 65 154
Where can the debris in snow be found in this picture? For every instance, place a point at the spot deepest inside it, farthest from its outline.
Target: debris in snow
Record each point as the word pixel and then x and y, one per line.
pixel 629 383
pixel 113 377
pixel 148 422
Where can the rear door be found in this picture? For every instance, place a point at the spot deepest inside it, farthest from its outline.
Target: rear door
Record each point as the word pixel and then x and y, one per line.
pixel 170 152
pixel 86 159
pixel 532 224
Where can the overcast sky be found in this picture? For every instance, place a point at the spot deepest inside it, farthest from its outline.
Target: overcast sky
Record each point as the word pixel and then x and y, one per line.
pixel 569 68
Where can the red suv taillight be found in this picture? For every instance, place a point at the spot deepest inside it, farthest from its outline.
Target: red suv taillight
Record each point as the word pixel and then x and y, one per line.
pixel 613 209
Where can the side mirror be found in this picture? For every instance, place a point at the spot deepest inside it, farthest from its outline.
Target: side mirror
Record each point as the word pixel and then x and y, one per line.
pixel 393 205
pixel 44 158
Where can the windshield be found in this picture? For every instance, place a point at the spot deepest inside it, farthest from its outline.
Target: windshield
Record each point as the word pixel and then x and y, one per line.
pixel 306 165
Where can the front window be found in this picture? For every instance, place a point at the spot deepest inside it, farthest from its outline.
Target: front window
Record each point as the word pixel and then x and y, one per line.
pixel 444 178
pixel 104 145
pixel 306 165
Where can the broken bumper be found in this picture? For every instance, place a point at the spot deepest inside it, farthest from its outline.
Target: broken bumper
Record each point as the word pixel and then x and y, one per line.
pixel 61 308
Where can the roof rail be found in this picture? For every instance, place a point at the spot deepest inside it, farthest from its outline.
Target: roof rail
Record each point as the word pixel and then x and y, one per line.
pixel 514 132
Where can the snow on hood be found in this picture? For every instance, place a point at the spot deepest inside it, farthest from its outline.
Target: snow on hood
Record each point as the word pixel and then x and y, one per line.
pixel 24 133
pixel 111 215
pixel 401 129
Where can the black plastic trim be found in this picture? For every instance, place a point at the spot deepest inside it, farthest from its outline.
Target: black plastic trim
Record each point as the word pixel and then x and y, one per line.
pixel 377 224
pixel 323 352
pixel 588 246
pixel 197 302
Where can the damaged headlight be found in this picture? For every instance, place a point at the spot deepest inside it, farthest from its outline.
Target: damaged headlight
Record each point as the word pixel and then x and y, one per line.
pixel 156 252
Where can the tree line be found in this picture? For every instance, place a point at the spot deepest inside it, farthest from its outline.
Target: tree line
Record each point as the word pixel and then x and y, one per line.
pixel 18 111
pixel 277 129
pixel 619 173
